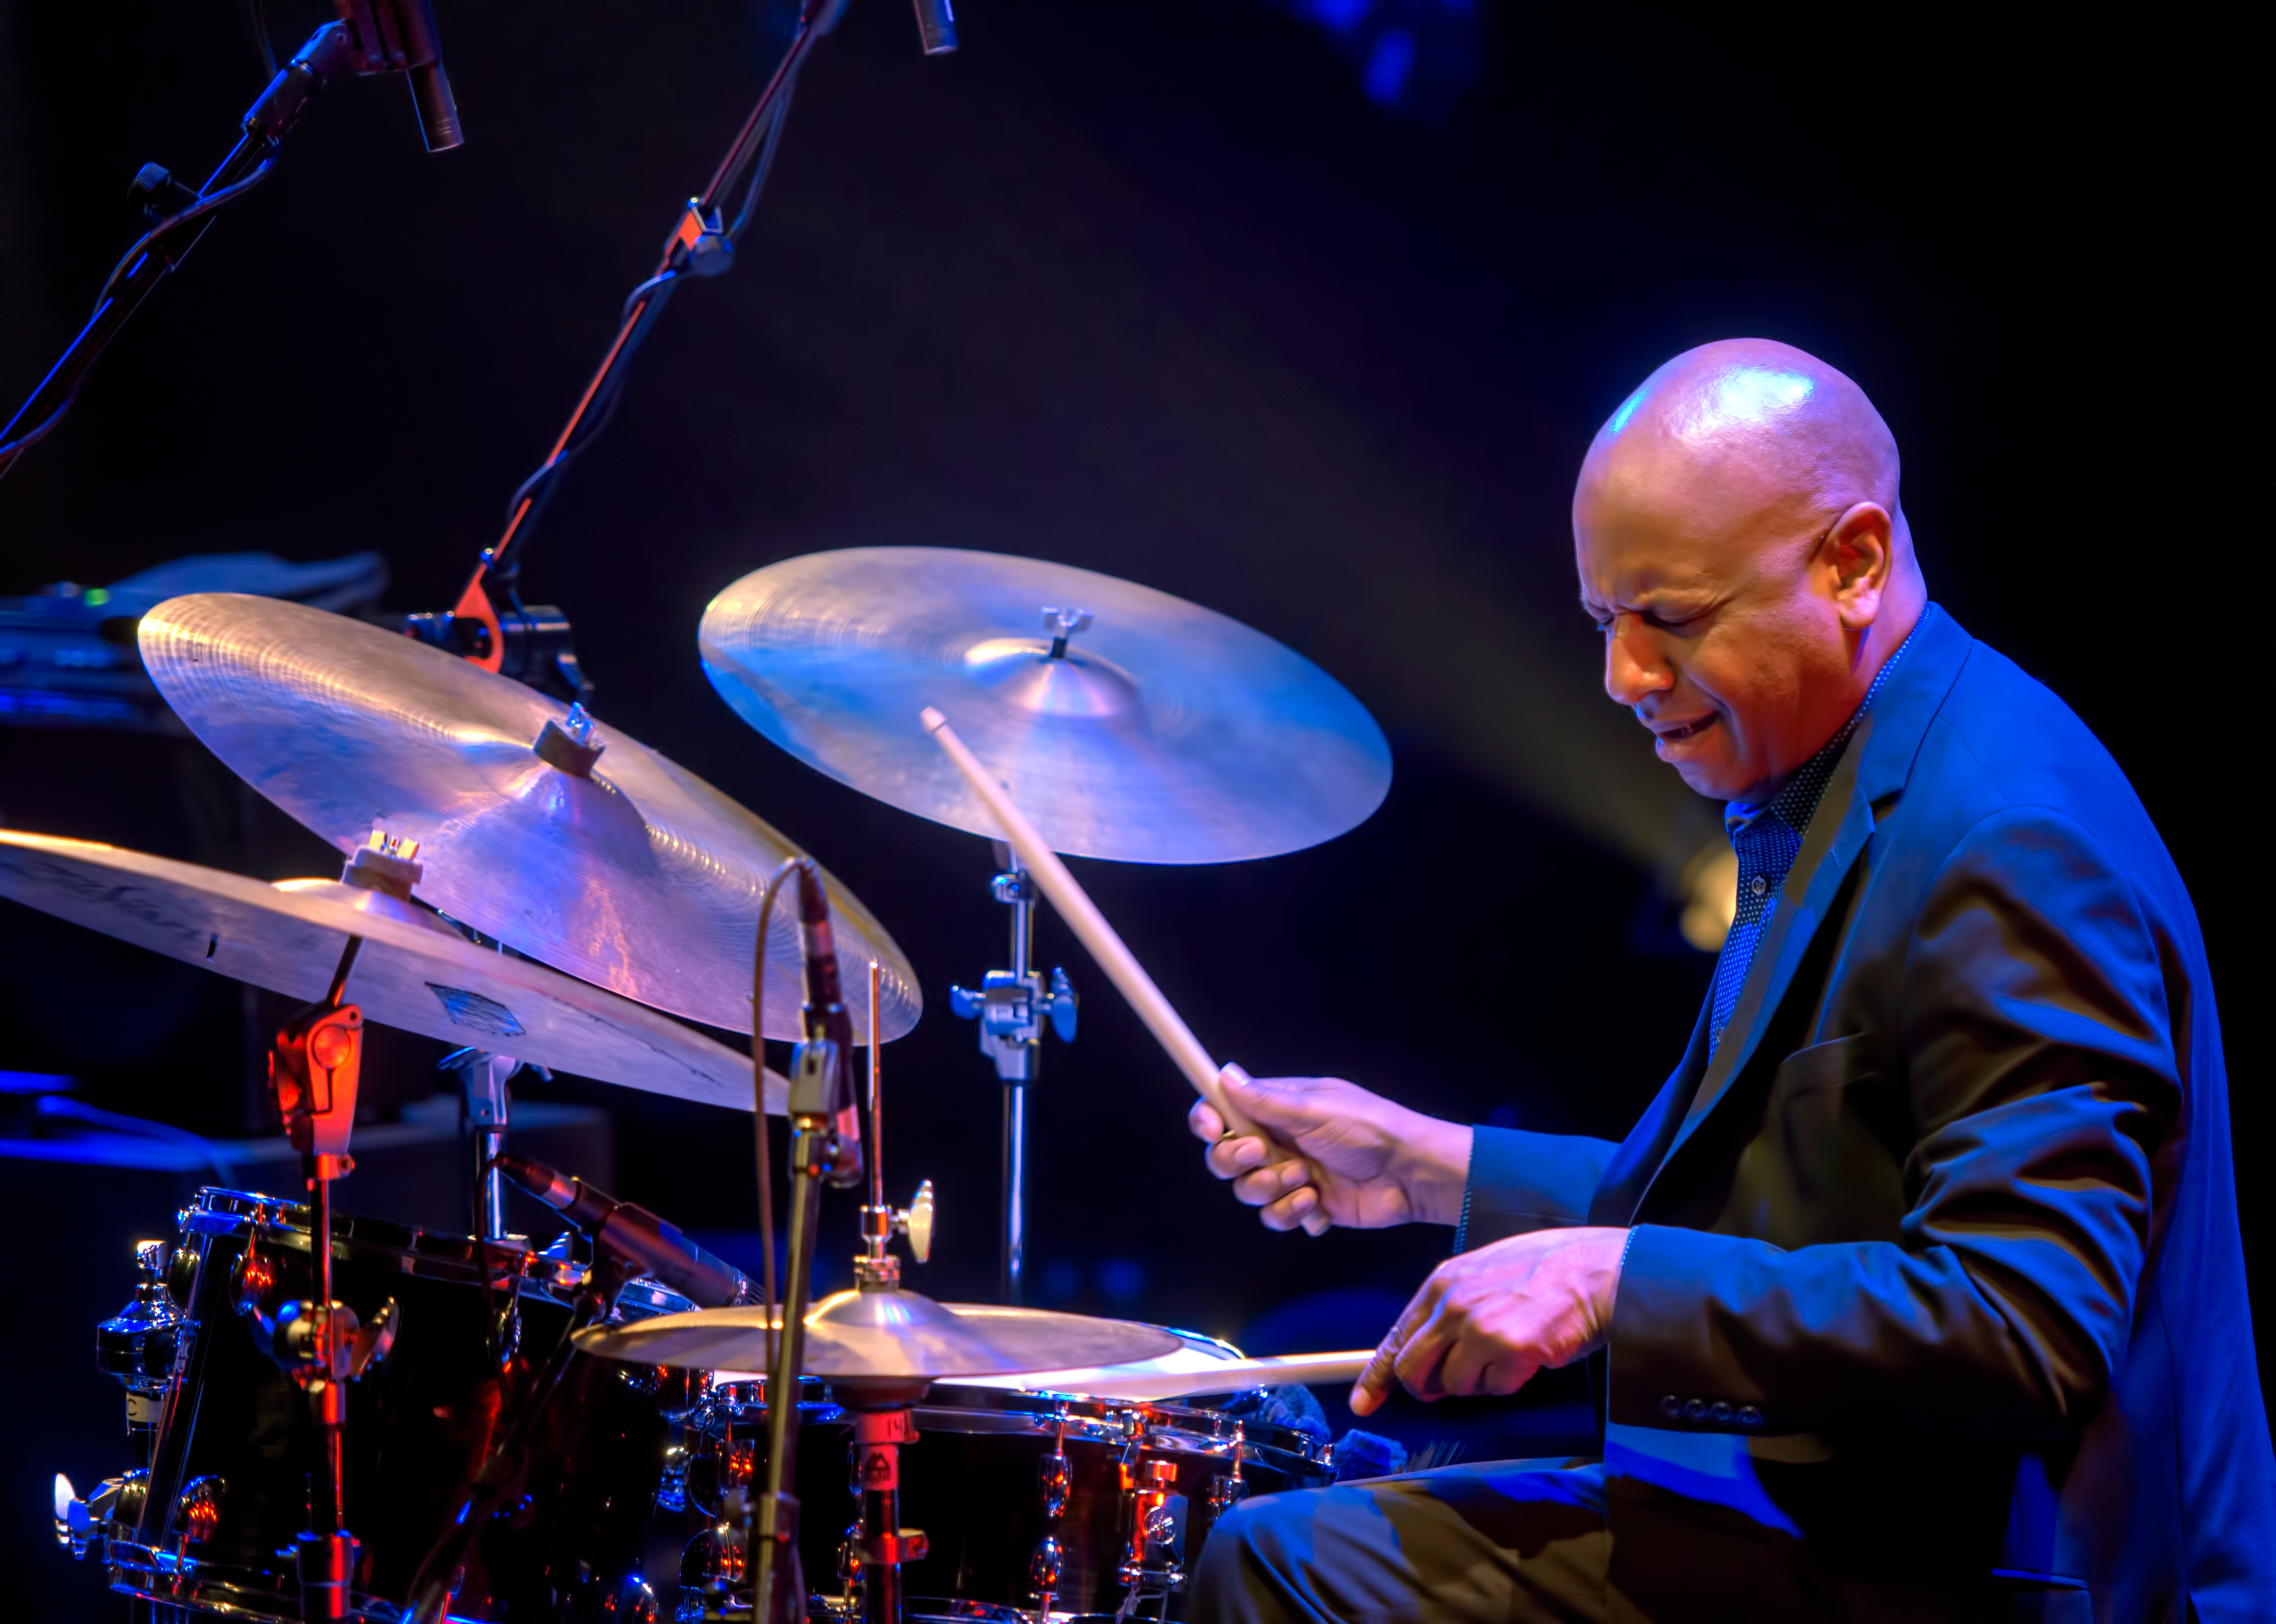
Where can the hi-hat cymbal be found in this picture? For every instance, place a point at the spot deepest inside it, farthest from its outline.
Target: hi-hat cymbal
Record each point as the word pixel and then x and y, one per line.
pixel 413 971
pixel 885 1335
pixel 641 877
pixel 1163 733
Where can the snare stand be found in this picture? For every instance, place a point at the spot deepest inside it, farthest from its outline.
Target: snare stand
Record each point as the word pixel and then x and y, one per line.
pixel 1011 1007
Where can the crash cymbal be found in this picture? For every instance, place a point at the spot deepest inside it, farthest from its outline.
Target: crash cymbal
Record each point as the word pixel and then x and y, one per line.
pixel 885 1335
pixel 1163 733
pixel 414 973
pixel 639 877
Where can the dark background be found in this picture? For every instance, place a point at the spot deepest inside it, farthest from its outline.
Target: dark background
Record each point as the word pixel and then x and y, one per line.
pixel 1162 291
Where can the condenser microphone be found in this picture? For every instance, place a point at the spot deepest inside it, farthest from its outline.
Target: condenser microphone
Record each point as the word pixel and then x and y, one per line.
pixel 655 1248
pixel 399 36
pixel 936 26
pixel 827 1018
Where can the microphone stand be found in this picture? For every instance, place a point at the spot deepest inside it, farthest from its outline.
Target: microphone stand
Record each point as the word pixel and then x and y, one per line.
pixel 533 642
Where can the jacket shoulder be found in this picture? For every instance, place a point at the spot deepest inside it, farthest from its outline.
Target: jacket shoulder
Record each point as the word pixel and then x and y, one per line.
pixel 2021 745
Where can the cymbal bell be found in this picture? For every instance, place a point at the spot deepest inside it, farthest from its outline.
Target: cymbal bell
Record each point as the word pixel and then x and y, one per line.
pixel 1128 723
pixel 885 1336
pixel 627 871
pixel 413 971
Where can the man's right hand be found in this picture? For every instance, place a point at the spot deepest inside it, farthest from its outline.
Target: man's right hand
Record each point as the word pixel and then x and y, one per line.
pixel 1333 1147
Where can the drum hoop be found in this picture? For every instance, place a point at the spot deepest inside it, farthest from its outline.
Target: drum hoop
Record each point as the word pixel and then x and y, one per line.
pixel 403 1249
pixel 255 1595
pixel 1170 1427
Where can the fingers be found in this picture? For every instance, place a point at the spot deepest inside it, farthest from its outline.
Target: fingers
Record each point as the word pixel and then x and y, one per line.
pixel 1476 1364
pixel 1204 1123
pixel 1299 1208
pixel 1376 1381
pixel 1373 1383
pixel 1284 1107
pixel 1230 1159
pixel 1266 1185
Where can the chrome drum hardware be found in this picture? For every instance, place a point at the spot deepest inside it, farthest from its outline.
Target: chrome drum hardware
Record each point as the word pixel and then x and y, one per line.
pixel 1036 1506
pixel 206 1521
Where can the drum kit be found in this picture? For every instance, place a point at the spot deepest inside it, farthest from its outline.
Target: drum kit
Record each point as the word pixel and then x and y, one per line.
pixel 498 1422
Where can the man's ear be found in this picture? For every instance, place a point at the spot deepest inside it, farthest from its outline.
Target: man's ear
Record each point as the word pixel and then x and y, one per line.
pixel 1856 561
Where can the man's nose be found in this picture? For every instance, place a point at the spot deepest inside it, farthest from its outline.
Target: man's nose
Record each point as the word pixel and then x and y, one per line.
pixel 1633 665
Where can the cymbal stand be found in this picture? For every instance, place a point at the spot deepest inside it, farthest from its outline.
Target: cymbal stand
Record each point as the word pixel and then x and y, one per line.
pixel 313 1069
pixel 882 1417
pixel 1011 1007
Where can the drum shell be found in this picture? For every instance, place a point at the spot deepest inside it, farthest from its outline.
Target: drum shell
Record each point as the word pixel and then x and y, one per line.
pixel 971 1483
pixel 473 1323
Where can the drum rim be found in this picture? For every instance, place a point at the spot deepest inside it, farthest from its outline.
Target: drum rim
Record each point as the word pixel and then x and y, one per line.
pixel 425 1253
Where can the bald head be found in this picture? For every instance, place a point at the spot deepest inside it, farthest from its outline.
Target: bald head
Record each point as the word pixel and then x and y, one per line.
pixel 1738 536
pixel 1742 430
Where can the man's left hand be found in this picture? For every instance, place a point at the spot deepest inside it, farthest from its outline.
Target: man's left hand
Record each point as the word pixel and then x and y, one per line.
pixel 1484 1321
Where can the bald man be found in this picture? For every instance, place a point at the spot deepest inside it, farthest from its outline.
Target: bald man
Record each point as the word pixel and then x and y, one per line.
pixel 1917 1291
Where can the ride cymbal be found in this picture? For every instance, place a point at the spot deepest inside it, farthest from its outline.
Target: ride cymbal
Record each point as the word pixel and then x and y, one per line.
pixel 629 872
pixel 413 971
pixel 1128 724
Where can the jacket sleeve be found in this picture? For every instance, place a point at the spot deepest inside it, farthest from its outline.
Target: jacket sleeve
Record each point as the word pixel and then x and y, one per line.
pixel 2036 1039
pixel 1521 1182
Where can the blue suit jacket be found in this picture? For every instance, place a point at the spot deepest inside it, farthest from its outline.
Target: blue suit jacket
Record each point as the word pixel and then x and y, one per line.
pixel 1936 1269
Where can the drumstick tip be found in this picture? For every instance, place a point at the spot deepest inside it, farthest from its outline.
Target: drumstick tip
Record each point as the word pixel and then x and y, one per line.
pixel 933 720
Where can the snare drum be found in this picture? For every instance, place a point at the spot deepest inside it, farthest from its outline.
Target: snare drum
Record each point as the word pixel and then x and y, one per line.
pixel 210 1527
pixel 1028 1501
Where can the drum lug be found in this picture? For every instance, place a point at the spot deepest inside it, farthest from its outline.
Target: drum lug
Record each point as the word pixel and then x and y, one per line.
pixel 1156 1514
pixel 1045 1569
pixel 671 1488
pixel 1226 1488
pixel 633 1602
pixel 1054 1480
pixel 197 1513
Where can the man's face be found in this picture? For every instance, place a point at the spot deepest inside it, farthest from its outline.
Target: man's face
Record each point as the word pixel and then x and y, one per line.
pixel 1723 629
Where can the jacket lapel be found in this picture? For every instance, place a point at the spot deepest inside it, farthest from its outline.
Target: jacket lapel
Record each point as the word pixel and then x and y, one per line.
pixel 1875 766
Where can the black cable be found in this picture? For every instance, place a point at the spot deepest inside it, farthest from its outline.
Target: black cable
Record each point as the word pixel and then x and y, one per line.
pixel 11 449
pixel 766 162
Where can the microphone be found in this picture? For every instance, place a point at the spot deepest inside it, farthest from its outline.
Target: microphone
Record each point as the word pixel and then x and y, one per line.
pixel 936 26
pixel 399 36
pixel 634 1233
pixel 827 1020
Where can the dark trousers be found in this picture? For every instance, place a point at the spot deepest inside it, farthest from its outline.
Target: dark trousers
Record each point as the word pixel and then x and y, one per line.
pixel 1518 1542
pixel 1506 1542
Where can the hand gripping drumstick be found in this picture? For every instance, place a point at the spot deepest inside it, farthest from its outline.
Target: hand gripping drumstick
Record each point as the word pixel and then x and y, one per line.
pixel 1076 908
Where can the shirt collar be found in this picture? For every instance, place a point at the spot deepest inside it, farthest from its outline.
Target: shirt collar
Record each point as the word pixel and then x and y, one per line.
pixel 1796 800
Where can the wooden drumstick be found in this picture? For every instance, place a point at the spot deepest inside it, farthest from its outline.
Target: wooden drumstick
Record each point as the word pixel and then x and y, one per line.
pixel 1121 967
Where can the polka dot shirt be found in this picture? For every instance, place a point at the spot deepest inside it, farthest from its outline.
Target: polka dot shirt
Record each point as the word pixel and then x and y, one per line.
pixel 1768 839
